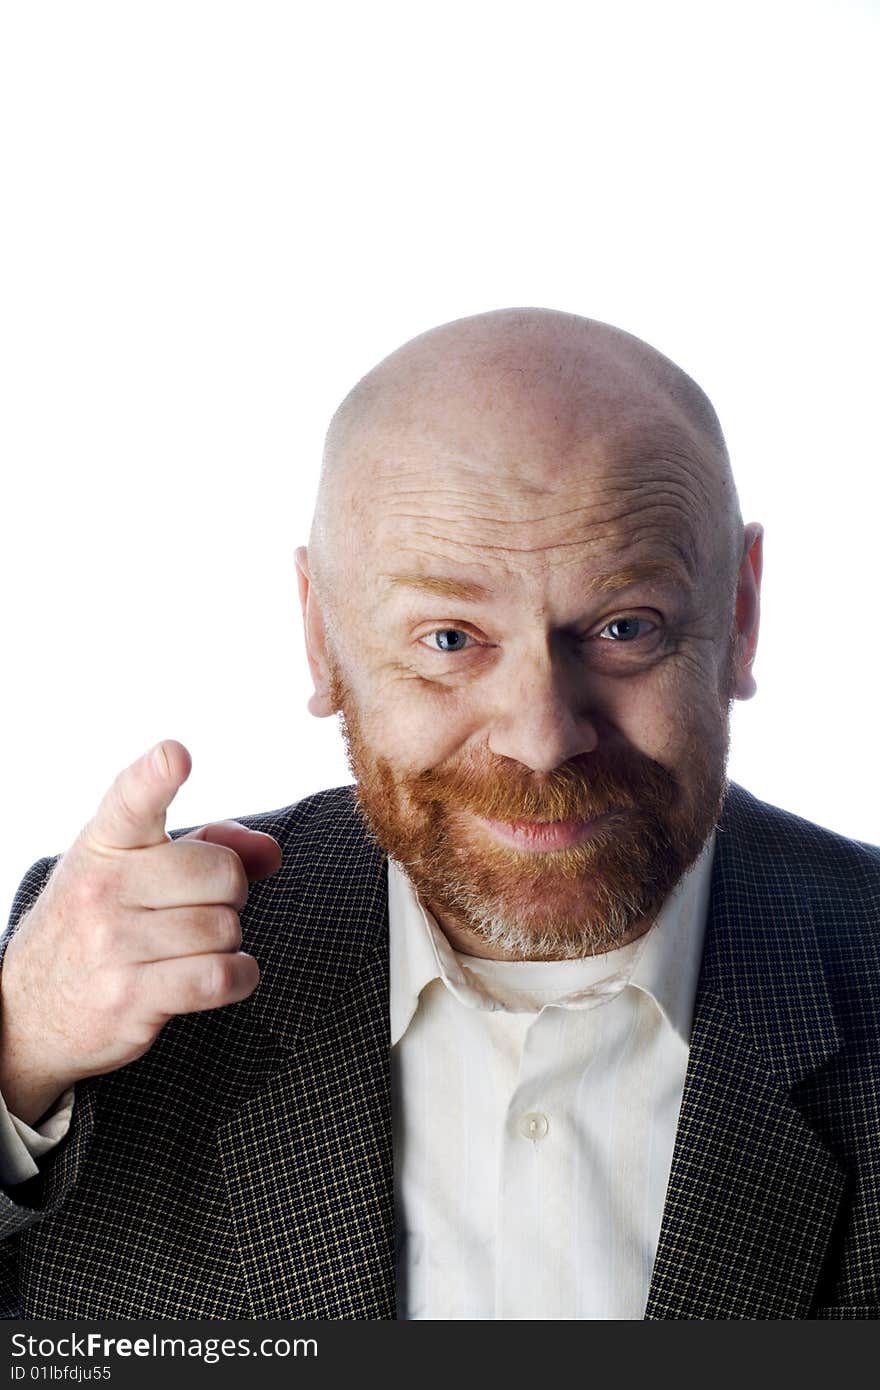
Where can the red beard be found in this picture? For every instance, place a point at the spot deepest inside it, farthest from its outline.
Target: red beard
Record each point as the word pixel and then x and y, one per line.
pixel 557 904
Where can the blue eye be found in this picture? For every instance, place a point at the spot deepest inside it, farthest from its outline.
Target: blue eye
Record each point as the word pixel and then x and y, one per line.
pixel 627 629
pixel 449 639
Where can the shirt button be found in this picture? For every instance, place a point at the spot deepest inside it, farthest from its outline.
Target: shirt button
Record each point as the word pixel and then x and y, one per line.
pixel 534 1125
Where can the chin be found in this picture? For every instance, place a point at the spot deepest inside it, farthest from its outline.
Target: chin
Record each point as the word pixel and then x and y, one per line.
pixel 560 921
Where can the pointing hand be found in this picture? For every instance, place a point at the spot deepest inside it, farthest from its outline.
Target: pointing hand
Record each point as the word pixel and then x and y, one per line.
pixel 131 928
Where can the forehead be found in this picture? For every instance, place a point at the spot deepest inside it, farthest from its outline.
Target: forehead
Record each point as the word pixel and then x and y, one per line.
pixel 618 503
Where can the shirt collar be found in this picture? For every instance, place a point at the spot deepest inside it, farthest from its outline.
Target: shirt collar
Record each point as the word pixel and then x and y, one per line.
pixel 664 963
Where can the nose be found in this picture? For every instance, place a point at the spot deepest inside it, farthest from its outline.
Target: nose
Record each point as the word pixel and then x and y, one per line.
pixel 541 720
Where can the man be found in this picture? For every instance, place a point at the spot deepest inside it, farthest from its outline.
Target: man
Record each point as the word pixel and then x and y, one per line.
pixel 626 1062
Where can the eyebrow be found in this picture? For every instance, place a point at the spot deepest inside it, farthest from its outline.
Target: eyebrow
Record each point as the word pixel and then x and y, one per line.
pixel 465 591
pixel 662 572
pixel 437 584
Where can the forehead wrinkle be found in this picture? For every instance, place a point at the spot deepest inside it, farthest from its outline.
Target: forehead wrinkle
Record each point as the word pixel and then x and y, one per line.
pixel 613 566
pixel 661 518
pixel 641 458
pixel 458 489
pixel 608 504
pixel 617 506
pixel 467 490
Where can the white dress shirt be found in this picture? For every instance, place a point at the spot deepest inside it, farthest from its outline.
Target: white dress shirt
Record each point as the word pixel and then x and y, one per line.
pixel 534 1107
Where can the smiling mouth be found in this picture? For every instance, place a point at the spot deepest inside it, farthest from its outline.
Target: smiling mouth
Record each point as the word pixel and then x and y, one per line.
pixel 542 836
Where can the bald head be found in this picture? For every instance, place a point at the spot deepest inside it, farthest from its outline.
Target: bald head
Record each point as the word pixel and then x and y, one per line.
pixel 523 395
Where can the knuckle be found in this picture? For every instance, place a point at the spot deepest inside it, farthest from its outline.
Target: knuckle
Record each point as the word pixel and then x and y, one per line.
pixel 116 992
pixel 88 890
pixel 235 880
pixel 95 886
pixel 228 929
pixel 102 940
pixel 253 972
pixel 218 979
pixel 138 1041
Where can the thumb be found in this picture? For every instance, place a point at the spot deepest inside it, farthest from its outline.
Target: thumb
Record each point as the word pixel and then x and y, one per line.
pixel 132 813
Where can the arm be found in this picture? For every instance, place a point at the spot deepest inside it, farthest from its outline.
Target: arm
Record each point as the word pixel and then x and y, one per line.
pixel 31 1191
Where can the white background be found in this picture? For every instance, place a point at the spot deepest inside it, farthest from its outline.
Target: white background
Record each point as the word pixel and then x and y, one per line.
pixel 217 216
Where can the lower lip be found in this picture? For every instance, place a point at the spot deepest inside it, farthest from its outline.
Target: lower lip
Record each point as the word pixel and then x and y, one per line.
pixel 543 835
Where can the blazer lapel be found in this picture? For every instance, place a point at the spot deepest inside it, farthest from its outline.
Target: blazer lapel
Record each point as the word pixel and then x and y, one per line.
pixel 307 1154
pixel 308 1167
pixel 753 1193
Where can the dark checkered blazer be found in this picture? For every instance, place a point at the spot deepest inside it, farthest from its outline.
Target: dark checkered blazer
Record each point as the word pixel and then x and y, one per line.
pixel 243 1167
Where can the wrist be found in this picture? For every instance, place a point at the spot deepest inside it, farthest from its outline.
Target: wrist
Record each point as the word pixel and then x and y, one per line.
pixel 28 1084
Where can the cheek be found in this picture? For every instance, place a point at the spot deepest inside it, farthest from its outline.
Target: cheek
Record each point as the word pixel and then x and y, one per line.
pixel 663 717
pixel 412 723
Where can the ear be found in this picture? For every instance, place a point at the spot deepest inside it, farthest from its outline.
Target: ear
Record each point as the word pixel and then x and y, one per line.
pixel 748 610
pixel 320 703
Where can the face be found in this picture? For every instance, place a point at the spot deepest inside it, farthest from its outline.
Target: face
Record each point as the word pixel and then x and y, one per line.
pixel 534 668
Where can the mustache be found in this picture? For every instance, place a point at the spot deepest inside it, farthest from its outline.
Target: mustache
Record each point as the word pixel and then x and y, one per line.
pixel 587 786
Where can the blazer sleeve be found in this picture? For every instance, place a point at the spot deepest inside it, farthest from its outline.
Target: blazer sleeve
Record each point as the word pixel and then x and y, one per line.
pixel 25 1203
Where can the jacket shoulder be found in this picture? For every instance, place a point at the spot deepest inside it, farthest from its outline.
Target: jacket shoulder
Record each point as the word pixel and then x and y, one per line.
pixel 820 854
pixel 779 860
